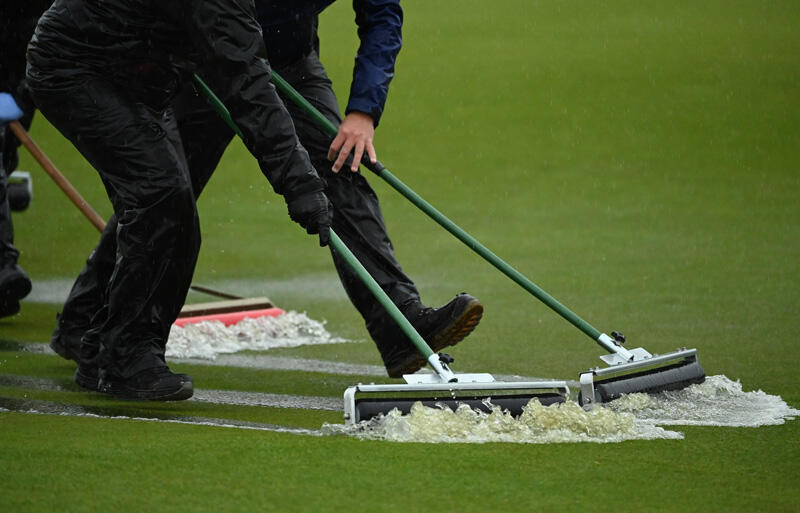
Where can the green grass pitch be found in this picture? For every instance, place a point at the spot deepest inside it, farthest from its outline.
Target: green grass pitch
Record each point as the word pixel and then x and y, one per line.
pixel 637 159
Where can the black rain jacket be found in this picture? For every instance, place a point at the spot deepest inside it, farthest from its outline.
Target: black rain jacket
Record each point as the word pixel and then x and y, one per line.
pixel 17 21
pixel 147 47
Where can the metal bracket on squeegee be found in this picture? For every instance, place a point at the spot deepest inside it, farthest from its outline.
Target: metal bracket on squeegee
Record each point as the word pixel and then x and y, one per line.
pixel 619 354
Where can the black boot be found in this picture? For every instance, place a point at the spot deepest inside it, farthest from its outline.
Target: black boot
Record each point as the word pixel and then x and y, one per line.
pixel 9 308
pixel 14 285
pixel 86 377
pixel 156 384
pixel 439 327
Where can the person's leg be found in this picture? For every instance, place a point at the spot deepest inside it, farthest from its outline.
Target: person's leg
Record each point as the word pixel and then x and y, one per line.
pixel 204 136
pixel 14 283
pixel 139 156
pixel 359 222
pixel 87 295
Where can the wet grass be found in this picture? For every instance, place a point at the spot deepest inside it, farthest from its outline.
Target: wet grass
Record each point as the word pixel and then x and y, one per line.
pixel 208 377
pixel 638 160
pixel 104 463
pixel 73 401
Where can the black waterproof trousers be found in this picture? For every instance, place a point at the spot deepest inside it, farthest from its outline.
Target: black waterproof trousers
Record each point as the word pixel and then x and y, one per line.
pixel 154 242
pixel 8 163
pixel 8 253
pixel 357 216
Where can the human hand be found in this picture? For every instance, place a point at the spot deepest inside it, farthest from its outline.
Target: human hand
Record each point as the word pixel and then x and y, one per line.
pixel 9 111
pixel 314 212
pixel 355 135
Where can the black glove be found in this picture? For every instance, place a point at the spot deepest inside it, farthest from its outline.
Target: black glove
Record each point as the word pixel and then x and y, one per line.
pixel 314 212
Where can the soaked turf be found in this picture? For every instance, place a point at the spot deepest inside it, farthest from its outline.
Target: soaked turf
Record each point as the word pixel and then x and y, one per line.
pixel 637 159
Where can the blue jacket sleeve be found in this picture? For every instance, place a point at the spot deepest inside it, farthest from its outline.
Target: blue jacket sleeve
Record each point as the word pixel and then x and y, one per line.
pixel 379 29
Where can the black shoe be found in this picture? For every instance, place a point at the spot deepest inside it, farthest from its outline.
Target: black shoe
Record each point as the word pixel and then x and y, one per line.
pixel 157 384
pixel 406 360
pixel 439 327
pixel 86 377
pixel 14 283
pixel 450 324
pixel 9 308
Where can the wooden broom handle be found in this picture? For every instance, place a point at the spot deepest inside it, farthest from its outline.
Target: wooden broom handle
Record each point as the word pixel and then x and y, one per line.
pixel 57 176
pixel 76 197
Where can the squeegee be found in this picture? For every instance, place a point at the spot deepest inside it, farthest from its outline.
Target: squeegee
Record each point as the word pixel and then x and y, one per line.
pixel 628 371
pixel 442 388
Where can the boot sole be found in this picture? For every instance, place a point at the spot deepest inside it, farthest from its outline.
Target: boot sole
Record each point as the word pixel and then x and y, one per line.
pixel 458 330
pixel 454 333
pixel 185 391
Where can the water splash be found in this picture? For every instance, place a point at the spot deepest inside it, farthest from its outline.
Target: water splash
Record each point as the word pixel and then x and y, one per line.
pixel 538 424
pixel 207 339
pixel 719 401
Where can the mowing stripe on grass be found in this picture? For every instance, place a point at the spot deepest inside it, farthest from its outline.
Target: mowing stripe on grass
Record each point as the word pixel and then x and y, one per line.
pixel 266 362
pixel 230 397
pixel 321 285
pixel 36 407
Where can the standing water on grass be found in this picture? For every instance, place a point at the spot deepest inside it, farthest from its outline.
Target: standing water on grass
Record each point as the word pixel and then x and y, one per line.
pixel 718 401
pixel 207 339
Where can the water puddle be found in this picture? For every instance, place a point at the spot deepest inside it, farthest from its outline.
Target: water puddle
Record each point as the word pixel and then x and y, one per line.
pixel 267 362
pixel 719 401
pixel 208 339
pixel 237 398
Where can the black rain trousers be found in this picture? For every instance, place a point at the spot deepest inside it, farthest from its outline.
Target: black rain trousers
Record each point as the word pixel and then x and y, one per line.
pixel 156 237
pixel 8 253
pixel 357 216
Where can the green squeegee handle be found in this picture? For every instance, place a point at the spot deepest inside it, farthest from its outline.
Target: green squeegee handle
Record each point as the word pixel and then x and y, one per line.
pixel 340 247
pixel 337 244
pixel 439 363
pixel 378 168
pixel 220 107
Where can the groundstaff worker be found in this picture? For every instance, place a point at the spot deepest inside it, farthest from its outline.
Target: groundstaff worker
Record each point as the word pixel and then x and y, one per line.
pixel 104 73
pixel 17 21
pixel 292 44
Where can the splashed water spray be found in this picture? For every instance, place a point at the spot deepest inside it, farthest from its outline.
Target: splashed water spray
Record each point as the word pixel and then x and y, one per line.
pixel 556 423
pixel 717 402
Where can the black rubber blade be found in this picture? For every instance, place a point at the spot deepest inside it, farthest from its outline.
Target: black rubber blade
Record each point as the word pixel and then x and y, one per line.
pixel 368 408
pixel 674 377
